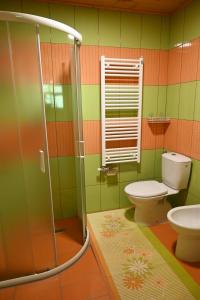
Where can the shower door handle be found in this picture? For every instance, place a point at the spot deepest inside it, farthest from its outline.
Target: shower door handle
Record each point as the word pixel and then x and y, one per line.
pixel 42 161
pixel 82 149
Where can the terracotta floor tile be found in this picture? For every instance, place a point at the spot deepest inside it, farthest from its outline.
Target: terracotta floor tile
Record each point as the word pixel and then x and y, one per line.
pixel 87 265
pixel 106 297
pixel 86 288
pixel 69 240
pixel 168 236
pixel 83 280
pixel 7 294
pixel 40 290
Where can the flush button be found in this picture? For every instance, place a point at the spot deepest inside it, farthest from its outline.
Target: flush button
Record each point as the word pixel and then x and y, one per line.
pixel 173 153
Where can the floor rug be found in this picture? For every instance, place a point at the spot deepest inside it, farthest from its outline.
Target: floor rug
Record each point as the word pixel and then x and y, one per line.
pixel 140 267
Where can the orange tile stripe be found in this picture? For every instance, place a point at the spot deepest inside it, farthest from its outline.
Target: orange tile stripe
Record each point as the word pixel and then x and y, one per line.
pixel 184 63
pixel 162 67
pixel 60 138
pixel 61 142
pixel 56 63
pixel 183 136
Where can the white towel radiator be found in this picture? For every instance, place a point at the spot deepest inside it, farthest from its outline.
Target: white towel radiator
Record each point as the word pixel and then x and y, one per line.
pixel 121 106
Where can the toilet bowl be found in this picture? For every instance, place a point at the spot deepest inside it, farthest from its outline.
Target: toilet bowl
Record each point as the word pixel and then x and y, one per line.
pixel 149 199
pixel 186 222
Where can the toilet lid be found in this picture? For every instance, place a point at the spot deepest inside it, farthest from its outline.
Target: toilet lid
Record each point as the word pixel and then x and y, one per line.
pixel 150 188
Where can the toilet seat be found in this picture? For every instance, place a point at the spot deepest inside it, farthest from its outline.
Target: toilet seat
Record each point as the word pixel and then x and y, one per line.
pixel 146 189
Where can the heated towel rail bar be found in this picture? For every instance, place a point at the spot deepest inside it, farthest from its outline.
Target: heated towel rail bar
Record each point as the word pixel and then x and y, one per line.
pixel 121 105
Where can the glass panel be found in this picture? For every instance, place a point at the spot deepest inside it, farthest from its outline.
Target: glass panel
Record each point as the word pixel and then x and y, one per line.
pixel 26 221
pixel 15 230
pixel 61 73
pixel 78 135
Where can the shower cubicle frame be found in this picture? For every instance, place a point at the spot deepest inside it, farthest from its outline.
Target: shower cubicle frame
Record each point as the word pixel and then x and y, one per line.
pixel 73 34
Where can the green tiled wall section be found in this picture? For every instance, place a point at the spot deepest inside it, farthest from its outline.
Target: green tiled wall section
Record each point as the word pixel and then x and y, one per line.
pixel 106 192
pixel 154 101
pixel 99 27
pixel 183 101
pixel 58 102
pixel 185 24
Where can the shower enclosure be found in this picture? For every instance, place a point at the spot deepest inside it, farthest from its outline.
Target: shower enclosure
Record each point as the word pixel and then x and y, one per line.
pixel 28 244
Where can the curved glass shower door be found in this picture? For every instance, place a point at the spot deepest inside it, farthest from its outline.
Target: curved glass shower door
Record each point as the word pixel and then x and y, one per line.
pixel 27 242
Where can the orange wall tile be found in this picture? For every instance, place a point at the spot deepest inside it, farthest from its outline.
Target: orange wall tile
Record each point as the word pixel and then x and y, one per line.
pixel 190 57
pixel 60 138
pixel 153 135
pixel 163 68
pixel 61 57
pixel 170 140
pixel 56 63
pixel 92 137
pixel 89 57
pixel 184 137
pixel 174 65
pixel 47 67
pixel 151 66
pixel 52 139
pixel 65 138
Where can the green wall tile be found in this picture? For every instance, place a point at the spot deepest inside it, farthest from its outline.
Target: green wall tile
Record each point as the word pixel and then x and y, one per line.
pixel 109 28
pixel 123 199
pixel 192 199
pixel 93 199
pixel 92 175
pixel 151 31
pixel 128 172
pixel 197 103
pixel 91 102
pixel 150 99
pixel 109 196
pixel 65 14
pixel 86 22
pixel 112 179
pixel 66 169
pixel 130 30
pixel 57 208
pixel 173 97
pixel 158 164
pixel 49 102
pixel 165 32
pixel 39 9
pixel 146 167
pixel 187 99
pixel 69 203
pixel 162 100
pixel 194 187
pixel 176 28
pixel 192 20
pixel 63 102
pixel 12 5
pixel 53 161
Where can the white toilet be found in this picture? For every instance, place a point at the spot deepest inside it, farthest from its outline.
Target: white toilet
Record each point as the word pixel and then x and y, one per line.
pixel 149 197
pixel 186 221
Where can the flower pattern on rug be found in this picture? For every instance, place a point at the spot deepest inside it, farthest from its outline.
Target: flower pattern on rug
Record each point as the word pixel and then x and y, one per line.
pixel 137 268
pixel 131 282
pixel 111 226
